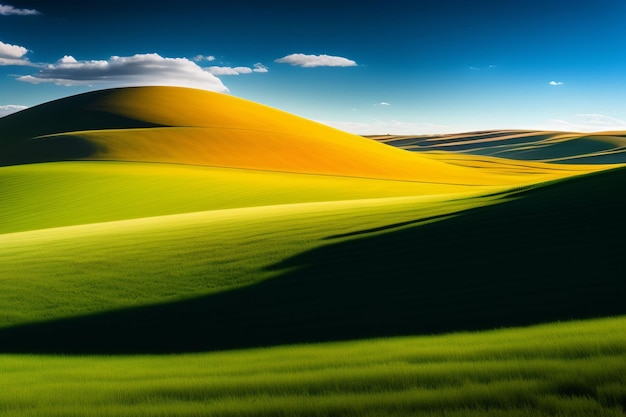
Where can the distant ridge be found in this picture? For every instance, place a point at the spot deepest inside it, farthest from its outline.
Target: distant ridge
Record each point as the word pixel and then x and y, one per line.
pixel 527 145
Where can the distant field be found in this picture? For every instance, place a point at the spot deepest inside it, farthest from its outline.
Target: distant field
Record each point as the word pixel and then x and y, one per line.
pixel 557 147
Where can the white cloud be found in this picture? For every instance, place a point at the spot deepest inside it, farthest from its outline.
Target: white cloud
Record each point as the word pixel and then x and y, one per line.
pixel 140 69
pixel 13 54
pixel 556 83
pixel 11 108
pixel 6 10
pixel 258 67
pixel 384 103
pixel 310 61
pixel 199 58
pixel 217 70
pixel 588 123
pixel 393 127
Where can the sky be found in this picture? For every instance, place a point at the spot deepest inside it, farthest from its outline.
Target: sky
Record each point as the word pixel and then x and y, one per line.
pixel 367 67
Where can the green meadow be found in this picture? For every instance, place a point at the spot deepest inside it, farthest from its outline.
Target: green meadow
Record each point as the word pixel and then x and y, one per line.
pixel 143 261
pixel 145 288
pixel 566 369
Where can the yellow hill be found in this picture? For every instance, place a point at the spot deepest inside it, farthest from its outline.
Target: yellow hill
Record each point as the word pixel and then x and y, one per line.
pixel 187 126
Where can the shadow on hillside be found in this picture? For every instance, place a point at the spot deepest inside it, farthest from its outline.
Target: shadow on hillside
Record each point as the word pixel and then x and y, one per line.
pixel 71 114
pixel 555 253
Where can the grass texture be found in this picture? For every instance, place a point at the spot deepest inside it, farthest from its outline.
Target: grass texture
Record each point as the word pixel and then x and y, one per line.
pixel 116 264
pixel 312 272
pixel 39 196
pixel 564 369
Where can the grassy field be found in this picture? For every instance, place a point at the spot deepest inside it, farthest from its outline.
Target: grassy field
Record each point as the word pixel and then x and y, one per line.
pixel 238 261
pixel 146 233
pixel 311 272
pixel 557 147
pixel 71 193
pixel 565 369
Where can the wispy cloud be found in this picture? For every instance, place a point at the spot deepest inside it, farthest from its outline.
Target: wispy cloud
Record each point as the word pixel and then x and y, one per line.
pixel 220 70
pixel 482 68
pixel 310 61
pixel 382 103
pixel 13 54
pixel 588 122
pixel 199 58
pixel 10 108
pixel 140 69
pixel 555 83
pixel 6 10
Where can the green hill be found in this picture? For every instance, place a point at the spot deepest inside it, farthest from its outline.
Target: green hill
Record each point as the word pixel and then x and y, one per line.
pixel 542 254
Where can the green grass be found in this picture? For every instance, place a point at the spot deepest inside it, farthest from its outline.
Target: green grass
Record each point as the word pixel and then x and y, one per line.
pixel 39 196
pixel 318 271
pixel 105 266
pixel 561 369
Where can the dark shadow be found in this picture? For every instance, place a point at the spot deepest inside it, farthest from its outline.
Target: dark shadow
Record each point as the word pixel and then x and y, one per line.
pixel 71 114
pixel 556 253
pixel 390 226
pixel 48 149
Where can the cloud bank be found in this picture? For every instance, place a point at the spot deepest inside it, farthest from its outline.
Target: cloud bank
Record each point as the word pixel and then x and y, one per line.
pixel 13 54
pixel 140 69
pixel 217 70
pixel 555 83
pixel 6 10
pixel 311 61
pixel 10 108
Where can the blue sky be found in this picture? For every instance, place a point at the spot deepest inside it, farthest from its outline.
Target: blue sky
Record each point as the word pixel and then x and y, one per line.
pixel 403 67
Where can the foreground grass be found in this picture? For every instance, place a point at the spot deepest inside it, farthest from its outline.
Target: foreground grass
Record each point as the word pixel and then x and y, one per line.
pixel 562 369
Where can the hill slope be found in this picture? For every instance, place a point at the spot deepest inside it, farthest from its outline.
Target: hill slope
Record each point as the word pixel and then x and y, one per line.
pixel 545 254
pixel 186 126
pixel 314 238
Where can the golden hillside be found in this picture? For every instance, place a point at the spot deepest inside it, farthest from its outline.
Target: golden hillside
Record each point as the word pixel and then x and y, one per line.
pixel 187 126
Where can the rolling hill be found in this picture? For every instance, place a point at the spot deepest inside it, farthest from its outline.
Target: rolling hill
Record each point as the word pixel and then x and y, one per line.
pixel 178 223
pixel 133 175
pixel 546 146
